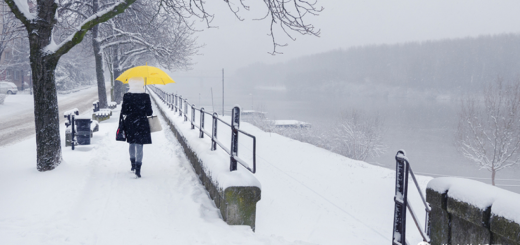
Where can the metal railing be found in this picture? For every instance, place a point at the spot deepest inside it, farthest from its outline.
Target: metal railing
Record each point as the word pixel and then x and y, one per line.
pixel 402 171
pixel 180 105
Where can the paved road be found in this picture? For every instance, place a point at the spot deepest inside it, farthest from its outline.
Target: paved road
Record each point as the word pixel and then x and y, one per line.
pixel 21 126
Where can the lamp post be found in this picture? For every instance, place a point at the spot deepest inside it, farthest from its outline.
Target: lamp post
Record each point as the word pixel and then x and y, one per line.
pixel 251 101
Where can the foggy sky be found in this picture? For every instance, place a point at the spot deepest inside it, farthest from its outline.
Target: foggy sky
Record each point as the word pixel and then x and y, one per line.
pixel 347 23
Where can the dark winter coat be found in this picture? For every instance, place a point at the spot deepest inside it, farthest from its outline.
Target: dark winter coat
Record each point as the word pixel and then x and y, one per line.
pixel 136 107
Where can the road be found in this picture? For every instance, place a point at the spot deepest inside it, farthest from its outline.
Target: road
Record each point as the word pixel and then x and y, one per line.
pixel 21 126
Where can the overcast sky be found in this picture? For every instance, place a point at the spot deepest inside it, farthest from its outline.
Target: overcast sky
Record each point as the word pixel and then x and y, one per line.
pixel 347 23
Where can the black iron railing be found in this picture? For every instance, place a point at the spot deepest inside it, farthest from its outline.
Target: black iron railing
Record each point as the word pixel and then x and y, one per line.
pixel 402 171
pixel 180 105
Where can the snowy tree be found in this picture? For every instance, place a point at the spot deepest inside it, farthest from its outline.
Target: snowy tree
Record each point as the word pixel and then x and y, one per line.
pixel 357 137
pixel 46 47
pixel 488 132
pixel 129 40
pixel 45 54
pixel 76 68
pixel 11 28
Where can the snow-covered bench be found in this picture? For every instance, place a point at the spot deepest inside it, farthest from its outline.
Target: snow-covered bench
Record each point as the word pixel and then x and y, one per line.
pixel 471 212
pixel 112 105
pixel 102 115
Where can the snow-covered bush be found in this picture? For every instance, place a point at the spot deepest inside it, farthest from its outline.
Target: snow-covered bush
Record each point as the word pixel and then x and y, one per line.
pixel 356 136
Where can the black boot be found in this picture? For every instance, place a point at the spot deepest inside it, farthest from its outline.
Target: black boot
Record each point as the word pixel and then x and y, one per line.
pixel 132 160
pixel 138 169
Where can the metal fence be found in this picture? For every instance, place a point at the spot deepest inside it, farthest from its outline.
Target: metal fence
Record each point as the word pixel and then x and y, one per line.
pixel 180 105
pixel 403 170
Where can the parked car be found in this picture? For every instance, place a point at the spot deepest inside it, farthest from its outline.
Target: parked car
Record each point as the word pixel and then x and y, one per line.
pixel 8 88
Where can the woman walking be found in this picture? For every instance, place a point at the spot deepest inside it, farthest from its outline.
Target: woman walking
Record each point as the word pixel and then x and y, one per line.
pixel 135 109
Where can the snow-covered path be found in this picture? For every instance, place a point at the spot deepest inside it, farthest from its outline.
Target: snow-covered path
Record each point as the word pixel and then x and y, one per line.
pixel 93 198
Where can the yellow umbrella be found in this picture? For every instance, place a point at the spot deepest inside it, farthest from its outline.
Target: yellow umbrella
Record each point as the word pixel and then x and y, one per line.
pixel 151 75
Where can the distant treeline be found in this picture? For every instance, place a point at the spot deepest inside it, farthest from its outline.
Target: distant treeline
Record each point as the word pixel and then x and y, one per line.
pixel 444 65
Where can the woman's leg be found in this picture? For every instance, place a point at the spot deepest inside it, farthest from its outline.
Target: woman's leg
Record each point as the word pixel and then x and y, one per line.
pixel 138 159
pixel 132 151
pixel 132 155
pixel 138 153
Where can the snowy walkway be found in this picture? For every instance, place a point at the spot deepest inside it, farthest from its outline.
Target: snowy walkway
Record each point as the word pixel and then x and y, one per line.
pixel 93 198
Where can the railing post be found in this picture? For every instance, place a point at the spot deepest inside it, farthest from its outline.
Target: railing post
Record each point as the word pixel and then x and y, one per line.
pixel 72 132
pixel 214 132
pixel 235 125
pixel 400 199
pixel 192 116
pixel 185 110
pixel 201 133
pixel 175 102
pixel 180 106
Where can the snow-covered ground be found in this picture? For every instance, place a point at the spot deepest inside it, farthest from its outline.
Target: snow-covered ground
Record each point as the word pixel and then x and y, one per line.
pixel 17 115
pixel 309 196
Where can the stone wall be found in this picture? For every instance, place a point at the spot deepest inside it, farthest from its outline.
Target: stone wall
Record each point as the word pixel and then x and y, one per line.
pixel 237 204
pixel 463 213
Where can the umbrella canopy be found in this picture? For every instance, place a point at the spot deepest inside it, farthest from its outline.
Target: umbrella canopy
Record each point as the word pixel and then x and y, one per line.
pixel 151 75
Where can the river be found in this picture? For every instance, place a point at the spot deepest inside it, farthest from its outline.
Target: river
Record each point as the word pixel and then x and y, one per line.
pixel 424 126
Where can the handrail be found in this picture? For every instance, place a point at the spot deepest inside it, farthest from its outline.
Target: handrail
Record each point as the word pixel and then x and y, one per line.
pixel 403 169
pixel 178 104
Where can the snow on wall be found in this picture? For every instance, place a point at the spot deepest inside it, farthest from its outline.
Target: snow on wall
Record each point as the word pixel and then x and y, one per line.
pixel 503 203
pixel 215 163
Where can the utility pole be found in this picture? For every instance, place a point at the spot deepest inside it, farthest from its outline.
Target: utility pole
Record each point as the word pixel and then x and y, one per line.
pixel 222 91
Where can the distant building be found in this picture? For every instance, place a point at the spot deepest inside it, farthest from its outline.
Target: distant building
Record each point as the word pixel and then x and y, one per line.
pixel 250 114
pixel 291 124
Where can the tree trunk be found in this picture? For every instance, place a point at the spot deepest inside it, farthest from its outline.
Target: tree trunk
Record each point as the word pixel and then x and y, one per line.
pixel 118 86
pixel 102 92
pixel 43 64
pixel 46 113
pixel 493 173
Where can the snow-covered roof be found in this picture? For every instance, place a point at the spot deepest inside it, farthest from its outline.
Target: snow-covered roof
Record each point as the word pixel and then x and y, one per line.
pixel 290 123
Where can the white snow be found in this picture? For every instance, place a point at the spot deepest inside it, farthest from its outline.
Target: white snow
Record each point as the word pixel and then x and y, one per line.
pixel 24 8
pixel 309 195
pixel 481 195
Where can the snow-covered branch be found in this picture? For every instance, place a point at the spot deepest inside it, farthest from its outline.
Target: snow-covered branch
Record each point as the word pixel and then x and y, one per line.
pixel 86 25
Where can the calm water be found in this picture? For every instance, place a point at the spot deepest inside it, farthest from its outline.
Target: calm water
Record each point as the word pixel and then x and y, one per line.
pixel 424 128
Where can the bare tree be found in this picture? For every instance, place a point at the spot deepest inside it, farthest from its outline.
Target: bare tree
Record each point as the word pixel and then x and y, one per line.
pixel 45 54
pixel 286 16
pixel 145 33
pixel 46 46
pixel 488 132
pixel 11 28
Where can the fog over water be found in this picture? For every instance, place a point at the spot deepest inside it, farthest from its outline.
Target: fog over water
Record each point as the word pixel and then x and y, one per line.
pixel 424 128
pixel 413 87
